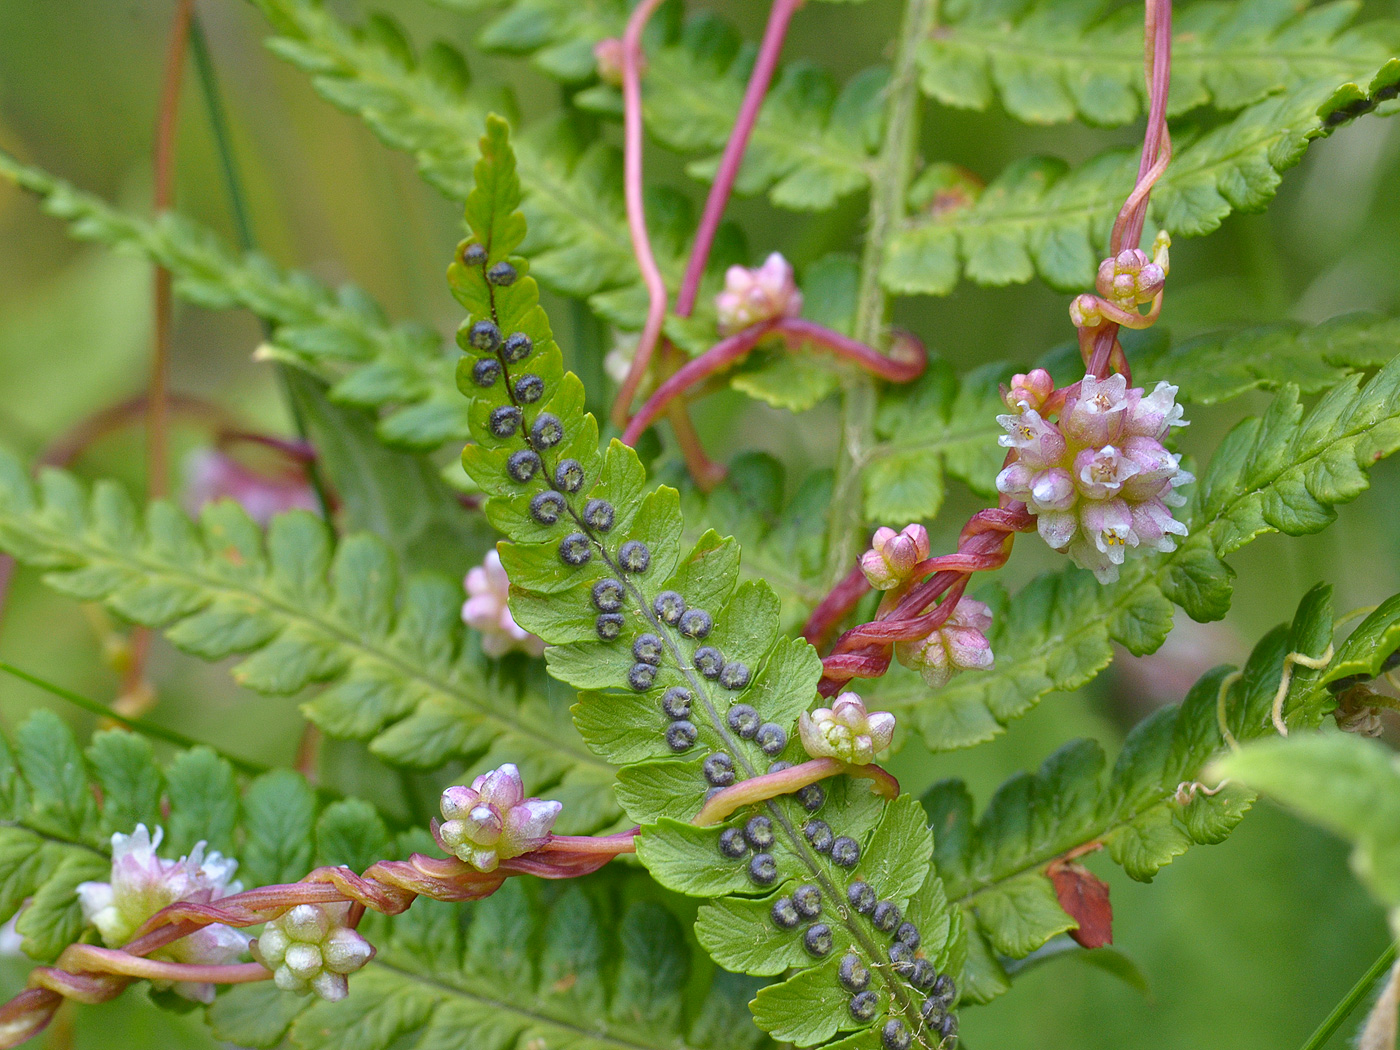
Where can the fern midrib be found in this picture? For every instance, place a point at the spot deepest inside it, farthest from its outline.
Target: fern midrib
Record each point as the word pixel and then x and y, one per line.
pixel 1101 206
pixel 988 883
pixel 1184 57
pixel 536 1016
pixel 347 639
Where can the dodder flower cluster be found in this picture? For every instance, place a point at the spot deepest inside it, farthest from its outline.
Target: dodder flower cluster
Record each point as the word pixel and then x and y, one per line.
pixel 311 949
pixel 488 591
pixel 762 293
pixel 143 883
pixel 492 820
pixel 1098 479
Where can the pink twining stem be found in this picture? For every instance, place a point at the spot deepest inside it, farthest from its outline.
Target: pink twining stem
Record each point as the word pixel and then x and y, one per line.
pixel 865 651
pixel 785 782
pixel 636 207
pixel 1101 349
pixel 765 64
pixel 906 361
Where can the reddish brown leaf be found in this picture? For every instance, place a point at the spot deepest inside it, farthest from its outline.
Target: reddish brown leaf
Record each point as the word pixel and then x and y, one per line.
pixel 1084 897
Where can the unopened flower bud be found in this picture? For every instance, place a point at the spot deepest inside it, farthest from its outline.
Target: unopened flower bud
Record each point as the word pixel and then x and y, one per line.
pixel 846 731
pixel 492 820
pixel 959 645
pixel 759 294
pixel 310 949
pixel 1084 311
pixel 1028 390
pixel 893 555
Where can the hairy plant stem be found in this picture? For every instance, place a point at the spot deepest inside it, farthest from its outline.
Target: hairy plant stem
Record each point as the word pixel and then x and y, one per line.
pixel 888 193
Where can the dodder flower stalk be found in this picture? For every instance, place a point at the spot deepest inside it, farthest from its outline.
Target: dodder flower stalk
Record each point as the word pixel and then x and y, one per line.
pixel 912 613
pixel 907 358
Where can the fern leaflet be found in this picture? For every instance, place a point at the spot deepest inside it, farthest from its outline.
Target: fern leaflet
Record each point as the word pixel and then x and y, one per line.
pixel 399 668
pixel 1053 62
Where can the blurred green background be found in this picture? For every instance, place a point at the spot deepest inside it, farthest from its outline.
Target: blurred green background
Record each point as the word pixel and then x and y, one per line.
pixel 1245 945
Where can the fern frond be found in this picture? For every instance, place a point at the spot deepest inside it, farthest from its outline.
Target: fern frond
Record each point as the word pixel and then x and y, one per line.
pixel 1050 62
pixel 1041 217
pixel 688 685
pixel 591 968
pixel 1282 473
pixel 424 108
pixel 1144 812
pixel 343 336
pixel 396 660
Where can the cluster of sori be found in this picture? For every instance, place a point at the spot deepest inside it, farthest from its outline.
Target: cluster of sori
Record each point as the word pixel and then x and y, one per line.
pixel 757 835
pixel 1097 478
pixel 904 958
pixel 310 949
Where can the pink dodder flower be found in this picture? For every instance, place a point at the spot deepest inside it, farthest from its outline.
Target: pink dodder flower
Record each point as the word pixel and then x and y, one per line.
pixel 310 949
pixel 211 474
pixel 893 555
pixel 488 591
pixel 1098 480
pixel 846 731
pixel 143 883
pixel 492 820
pixel 959 645
pixel 763 293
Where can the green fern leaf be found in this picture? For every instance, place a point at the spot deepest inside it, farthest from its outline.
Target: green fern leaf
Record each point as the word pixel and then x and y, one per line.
pixel 1049 63
pixel 1282 473
pixel 994 867
pixel 398 669
pixel 1040 217
pixel 687 682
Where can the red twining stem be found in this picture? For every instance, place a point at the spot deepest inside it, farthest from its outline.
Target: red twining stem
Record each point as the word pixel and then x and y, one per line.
pixel 387 886
pixel 906 361
pixel 764 66
pixel 865 651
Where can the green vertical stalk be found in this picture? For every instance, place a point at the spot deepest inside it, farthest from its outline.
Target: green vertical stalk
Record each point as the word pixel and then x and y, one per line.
pixel 888 192
pixel 243 227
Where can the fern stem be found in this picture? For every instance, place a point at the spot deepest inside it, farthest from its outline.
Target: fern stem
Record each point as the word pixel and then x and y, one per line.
pixel 779 18
pixel 137 725
pixel 243 231
pixel 888 193
pixel 1349 1002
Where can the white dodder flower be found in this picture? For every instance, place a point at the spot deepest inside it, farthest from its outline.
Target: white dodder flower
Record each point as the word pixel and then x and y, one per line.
pixel 488 591
pixel 1099 481
pixel 959 645
pixel 846 731
pixel 492 820
pixel 759 294
pixel 310 949
pixel 143 883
